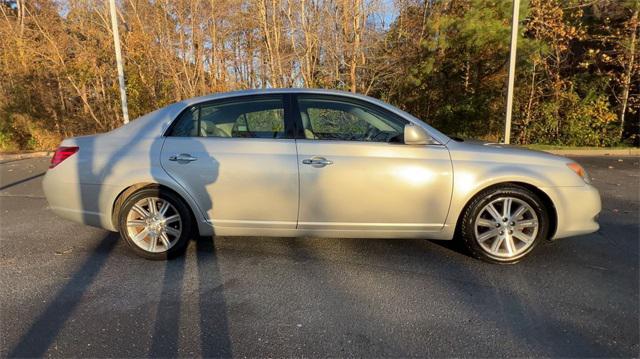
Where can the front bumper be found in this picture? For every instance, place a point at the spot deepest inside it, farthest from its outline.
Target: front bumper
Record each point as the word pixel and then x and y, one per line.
pixel 577 209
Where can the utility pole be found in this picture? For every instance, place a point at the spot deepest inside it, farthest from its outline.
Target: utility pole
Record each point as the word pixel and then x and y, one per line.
pixel 512 69
pixel 116 44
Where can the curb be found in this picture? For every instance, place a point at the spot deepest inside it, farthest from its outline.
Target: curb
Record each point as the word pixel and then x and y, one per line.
pixel 597 152
pixel 10 157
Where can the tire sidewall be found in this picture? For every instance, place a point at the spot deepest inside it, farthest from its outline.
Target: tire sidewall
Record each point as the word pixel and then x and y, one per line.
pixel 489 195
pixel 179 205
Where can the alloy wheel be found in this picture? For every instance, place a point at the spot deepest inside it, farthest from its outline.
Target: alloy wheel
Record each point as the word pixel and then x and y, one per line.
pixel 506 227
pixel 154 224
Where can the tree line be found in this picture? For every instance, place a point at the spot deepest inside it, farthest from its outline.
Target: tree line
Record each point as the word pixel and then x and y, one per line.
pixel 444 61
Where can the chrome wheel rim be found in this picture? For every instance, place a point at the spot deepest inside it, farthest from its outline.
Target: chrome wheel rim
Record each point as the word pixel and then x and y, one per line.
pixel 506 227
pixel 154 224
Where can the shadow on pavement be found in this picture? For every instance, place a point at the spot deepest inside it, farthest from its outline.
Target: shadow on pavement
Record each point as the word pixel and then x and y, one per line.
pixel 214 325
pixel 43 331
pixel 21 181
pixel 508 297
pixel 166 334
pixel 213 322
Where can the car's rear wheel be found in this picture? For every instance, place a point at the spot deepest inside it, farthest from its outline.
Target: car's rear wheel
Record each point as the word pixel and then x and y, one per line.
pixel 504 224
pixel 156 224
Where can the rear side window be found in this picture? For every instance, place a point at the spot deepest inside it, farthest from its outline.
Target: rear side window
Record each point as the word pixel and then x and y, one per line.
pixel 244 118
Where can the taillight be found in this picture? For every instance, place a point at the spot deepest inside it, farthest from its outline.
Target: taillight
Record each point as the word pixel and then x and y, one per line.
pixel 61 154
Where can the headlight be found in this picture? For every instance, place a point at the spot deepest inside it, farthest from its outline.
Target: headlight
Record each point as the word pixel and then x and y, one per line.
pixel 580 171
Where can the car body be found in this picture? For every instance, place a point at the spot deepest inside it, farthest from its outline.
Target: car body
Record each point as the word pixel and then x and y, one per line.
pixel 267 173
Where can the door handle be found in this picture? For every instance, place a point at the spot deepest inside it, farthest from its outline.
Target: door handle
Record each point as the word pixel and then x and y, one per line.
pixel 317 161
pixel 183 157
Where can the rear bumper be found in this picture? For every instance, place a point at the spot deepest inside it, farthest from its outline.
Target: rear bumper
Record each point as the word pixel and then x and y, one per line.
pixel 577 209
pixel 76 202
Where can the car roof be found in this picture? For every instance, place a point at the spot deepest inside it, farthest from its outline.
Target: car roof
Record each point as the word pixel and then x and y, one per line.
pixel 267 91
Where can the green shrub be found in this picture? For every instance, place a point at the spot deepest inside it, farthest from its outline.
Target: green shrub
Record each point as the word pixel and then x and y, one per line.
pixel 575 121
pixel 27 134
pixel 6 143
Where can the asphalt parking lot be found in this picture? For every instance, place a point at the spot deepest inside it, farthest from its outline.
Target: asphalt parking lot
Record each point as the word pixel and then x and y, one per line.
pixel 70 290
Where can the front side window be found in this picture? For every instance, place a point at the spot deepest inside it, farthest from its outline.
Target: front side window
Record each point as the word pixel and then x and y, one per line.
pixel 246 118
pixel 333 119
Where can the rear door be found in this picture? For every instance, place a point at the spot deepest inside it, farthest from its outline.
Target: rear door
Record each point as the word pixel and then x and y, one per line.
pixel 356 174
pixel 238 159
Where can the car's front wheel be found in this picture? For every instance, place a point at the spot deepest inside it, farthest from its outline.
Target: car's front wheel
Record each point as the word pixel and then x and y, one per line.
pixel 156 224
pixel 503 224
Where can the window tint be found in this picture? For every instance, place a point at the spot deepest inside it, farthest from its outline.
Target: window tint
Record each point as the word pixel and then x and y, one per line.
pixel 187 124
pixel 253 118
pixel 260 118
pixel 329 119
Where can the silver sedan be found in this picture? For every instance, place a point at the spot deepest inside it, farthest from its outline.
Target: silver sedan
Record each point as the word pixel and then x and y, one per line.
pixel 298 162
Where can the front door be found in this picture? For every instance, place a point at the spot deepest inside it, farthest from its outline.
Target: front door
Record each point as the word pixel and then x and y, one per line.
pixel 356 174
pixel 238 160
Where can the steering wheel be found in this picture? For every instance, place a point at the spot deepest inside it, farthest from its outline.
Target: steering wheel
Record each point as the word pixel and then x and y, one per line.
pixel 375 135
pixel 372 133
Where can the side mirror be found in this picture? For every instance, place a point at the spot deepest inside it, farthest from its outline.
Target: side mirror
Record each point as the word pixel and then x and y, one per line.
pixel 414 135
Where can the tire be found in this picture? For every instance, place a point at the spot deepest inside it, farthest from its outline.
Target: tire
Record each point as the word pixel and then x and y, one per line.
pixel 163 215
pixel 486 234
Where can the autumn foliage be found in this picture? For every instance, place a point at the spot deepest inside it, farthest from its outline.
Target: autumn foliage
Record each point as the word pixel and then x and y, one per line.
pixel 445 61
